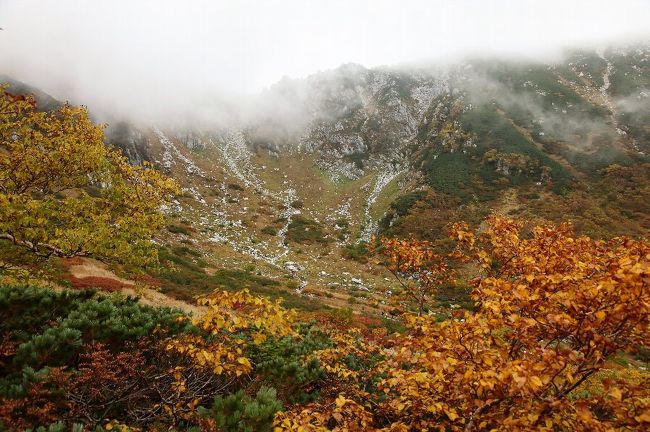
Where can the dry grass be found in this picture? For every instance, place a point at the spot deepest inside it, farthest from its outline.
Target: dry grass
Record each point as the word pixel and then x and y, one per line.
pixel 88 273
pixel 104 284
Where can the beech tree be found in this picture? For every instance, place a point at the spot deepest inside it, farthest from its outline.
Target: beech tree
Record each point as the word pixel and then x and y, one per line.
pixel 418 268
pixel 232 319
pixel 64 193
pixel 553 308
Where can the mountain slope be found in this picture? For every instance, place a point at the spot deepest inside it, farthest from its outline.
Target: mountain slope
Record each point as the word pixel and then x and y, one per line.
pixel 285 199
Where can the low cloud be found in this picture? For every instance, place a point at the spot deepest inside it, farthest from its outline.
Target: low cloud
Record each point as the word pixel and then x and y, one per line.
pixel 164 60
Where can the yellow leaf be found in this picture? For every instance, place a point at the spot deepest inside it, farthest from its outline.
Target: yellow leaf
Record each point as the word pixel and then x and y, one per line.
pixel 537 382
pixel 258 338
pixel 643 418
pixel 451 413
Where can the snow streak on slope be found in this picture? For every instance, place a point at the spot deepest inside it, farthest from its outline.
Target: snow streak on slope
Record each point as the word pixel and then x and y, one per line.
pixel 171 154
pixel 227 227
pixel 383 179
pixel 606 82
pixel 342 213
pixel 287 213
pixel 237 158
pixel 236 155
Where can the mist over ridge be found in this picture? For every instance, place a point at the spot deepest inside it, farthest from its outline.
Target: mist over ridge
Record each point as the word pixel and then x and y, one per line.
pixel 164 61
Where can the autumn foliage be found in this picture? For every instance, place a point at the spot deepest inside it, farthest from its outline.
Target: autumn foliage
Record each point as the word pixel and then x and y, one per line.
pixel 420 270
pixel 552 311
pixel 64 193
pixel 232 320
pixel 553 308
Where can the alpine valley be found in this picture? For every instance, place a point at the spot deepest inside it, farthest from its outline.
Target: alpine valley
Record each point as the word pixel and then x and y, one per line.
pixel 286 200
pixel 290 196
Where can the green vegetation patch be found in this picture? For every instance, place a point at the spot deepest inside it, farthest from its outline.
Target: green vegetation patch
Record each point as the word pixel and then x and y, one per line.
pixel 495 132
pixel 183 276
pixel 403 204
pixel 305 231
pixel 179 229
pixel 270 230
pixel 52 326
pixel 449 173
pixel 357 252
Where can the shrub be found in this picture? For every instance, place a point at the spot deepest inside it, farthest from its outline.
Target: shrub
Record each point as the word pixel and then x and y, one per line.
pixel 357 252
pixel 239 412
pixel 178 229
pixel 343 315
pixel 305 231
pixel 270 230
pixel 281 363
pixel 52 326
pixel 235 186
pixel 404 203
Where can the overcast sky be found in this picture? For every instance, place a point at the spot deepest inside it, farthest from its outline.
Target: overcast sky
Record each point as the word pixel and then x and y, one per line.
pixel 116 55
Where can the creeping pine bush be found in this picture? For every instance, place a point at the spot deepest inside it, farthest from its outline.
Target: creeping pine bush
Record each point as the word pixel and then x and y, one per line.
pixel 238 412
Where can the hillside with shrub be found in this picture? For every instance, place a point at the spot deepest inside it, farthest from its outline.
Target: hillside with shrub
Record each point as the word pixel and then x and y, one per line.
pixel 462 250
